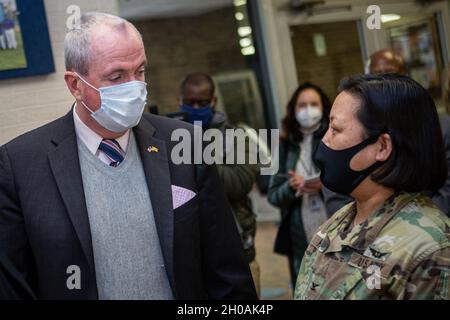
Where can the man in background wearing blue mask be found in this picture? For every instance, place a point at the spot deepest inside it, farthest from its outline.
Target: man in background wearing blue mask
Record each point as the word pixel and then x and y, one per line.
pixel 91 205
pixel 198 100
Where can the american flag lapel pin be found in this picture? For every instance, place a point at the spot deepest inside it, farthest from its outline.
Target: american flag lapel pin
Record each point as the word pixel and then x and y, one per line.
pixel 152 149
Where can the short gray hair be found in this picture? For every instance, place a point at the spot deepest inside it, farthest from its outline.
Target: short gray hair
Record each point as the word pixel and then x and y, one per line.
pixel 77 43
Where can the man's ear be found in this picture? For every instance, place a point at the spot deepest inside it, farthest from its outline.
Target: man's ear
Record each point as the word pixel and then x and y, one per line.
pixel 384 147
pixel 72 82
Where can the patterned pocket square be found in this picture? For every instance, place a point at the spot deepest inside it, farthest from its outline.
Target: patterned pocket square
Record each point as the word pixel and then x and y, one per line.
pixel 181 195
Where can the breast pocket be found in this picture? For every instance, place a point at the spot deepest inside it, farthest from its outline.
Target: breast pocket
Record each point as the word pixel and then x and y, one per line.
pixel 360 278
pixel 347 280
pixel 187 211
pixel 323 278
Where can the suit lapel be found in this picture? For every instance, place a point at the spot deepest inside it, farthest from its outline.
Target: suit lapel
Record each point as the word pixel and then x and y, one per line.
pixel 64 163
pixel 156 167
pixel 66 170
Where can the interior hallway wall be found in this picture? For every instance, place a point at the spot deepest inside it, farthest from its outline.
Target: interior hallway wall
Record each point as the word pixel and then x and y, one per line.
pixel 177 46
pixel 27 103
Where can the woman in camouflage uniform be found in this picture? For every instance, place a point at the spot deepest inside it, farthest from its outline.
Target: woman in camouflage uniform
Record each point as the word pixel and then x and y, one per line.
pixel 383 146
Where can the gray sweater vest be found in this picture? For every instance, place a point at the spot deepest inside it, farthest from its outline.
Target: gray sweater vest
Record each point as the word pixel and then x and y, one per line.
pixel 127 252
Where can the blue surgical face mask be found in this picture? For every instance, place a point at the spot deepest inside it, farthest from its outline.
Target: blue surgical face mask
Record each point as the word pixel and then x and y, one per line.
pixel 203 114
pixel 122 105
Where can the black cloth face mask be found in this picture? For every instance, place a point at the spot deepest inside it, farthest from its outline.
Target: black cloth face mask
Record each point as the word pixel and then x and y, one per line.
pixel 334 165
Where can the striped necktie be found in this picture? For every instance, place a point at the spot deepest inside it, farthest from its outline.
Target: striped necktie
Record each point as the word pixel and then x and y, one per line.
pixel 113 151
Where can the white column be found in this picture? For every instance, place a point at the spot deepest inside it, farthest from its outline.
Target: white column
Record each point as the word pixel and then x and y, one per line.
pixel 279 55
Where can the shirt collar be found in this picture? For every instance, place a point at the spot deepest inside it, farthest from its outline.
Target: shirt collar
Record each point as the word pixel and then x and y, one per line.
pixel 91 139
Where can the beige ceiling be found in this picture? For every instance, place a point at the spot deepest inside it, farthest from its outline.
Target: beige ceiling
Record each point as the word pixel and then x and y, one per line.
pixel 148 9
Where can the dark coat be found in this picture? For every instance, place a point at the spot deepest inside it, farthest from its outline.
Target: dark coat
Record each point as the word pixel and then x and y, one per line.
pixel 238 181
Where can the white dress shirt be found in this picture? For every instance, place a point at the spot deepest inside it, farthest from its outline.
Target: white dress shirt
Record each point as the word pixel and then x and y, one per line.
pixel 92 140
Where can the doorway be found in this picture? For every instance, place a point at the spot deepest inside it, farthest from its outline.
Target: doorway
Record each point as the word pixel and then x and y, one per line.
pixel 327 52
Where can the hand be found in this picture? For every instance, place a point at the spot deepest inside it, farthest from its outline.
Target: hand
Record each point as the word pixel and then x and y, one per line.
pixel 296 181
pixel 311 187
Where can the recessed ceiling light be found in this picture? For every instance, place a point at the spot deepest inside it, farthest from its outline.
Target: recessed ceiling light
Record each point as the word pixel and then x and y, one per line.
pixel 239 16
pixel 390 17
pixel 245 42
pixel 248 51
pixel 244 31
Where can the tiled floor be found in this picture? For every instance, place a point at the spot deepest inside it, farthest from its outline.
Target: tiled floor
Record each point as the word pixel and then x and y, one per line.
pixel 275 279
pixel 274 267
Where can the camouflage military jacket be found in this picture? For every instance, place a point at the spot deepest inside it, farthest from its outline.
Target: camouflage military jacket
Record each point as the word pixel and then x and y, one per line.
pixel 402 251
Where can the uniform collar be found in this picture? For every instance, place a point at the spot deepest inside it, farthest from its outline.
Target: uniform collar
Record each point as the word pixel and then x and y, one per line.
pixel 341 234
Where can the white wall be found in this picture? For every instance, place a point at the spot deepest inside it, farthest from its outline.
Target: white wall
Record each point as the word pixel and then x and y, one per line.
pixel 27 103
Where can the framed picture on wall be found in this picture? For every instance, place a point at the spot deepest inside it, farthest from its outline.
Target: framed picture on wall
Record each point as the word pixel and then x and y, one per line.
pixel 25 48
pixel 417 42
